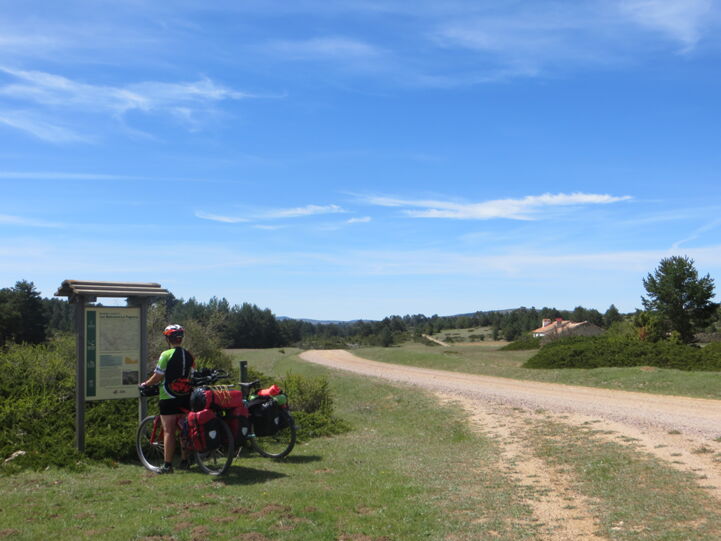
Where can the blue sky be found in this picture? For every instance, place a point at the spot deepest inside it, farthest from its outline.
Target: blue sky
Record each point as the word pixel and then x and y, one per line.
pixel 361 158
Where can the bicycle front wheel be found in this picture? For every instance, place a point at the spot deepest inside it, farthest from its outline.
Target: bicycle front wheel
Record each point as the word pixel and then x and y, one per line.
pixel 279 444
pixel 217 461
pixel 149 443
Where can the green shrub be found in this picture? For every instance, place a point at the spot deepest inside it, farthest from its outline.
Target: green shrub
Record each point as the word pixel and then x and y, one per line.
pixel 203 341
pixel 600 351
pixel 311 404
pixel 525 343
pixel 37 413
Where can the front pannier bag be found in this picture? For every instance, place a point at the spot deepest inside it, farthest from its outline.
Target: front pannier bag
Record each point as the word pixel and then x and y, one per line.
pixel 203 430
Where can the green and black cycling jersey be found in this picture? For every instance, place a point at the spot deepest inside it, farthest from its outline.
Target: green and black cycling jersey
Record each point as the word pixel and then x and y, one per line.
pixel 176 365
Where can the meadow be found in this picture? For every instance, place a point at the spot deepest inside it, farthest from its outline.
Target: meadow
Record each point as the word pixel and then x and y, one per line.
pixel 410 468
pixel 485 358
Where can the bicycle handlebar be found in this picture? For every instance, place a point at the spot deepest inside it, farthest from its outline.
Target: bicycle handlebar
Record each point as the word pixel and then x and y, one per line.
pixel 204 376
pixel 207 376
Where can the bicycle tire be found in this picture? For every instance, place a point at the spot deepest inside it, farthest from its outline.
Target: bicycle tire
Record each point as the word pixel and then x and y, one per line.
pixel 150 452
pixel 217 461
pixel 281 443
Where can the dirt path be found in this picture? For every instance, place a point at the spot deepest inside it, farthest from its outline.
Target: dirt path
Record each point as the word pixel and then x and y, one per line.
pixel 439 342
pixel 678 430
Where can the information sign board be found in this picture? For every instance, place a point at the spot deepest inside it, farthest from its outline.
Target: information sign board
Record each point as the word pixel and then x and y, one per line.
pixel 112 353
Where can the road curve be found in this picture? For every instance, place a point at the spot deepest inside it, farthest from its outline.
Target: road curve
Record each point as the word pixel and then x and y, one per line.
pixel 690 415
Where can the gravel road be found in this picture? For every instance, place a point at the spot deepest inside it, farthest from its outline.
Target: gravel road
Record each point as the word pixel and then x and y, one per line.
pixel 696 416
pixel 681 432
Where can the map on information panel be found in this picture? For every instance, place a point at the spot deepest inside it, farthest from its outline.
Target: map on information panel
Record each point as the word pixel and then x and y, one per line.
pixel 112 353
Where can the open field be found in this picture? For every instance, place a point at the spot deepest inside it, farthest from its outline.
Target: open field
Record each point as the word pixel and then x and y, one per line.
pixel 579 448
pixel 392 477
pixel 467 336
pixel 484 358
pixel 417 465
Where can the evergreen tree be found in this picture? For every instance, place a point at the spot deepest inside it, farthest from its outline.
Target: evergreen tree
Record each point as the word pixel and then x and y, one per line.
pixel 611 316
pixel 22 315
pixel 679 296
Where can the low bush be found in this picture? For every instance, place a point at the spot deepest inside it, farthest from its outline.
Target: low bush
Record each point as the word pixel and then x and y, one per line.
pixel 37 416
pixel 37 413
pixel 601 351
pixel 311 404
pixel 525 343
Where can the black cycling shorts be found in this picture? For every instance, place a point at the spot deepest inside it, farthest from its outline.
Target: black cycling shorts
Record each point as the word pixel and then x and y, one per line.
pixel 173 406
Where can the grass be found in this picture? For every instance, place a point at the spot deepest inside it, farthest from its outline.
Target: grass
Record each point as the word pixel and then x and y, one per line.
pixel 464 335
pixel 409 470
pixel 487 360
pixel 392 477
pixel 634 495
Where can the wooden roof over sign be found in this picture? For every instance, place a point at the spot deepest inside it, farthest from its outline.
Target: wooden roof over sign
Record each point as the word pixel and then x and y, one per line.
pixel 71 288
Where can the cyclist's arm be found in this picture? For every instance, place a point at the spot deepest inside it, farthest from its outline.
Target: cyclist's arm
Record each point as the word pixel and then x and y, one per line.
pixel 159 373
pixel 155 378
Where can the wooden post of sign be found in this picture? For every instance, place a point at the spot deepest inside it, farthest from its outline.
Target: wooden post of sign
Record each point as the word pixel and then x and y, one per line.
pixel 143 368
pixel 80 373
pixel 82 292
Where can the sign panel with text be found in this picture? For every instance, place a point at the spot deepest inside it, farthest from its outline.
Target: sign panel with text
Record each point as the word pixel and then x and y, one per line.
pixel 112 353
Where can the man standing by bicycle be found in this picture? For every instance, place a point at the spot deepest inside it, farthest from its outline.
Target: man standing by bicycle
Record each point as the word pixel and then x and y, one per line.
pixel 174 369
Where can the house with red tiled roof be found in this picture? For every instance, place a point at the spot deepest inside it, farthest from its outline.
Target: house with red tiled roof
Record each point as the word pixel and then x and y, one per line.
pixel 559 327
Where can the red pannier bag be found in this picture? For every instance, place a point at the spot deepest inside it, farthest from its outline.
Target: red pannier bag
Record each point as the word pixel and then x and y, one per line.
pixel 203 430
pixel 204 398
pixel 270 391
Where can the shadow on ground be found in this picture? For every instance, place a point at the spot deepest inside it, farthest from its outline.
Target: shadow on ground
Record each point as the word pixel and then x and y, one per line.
pixel 238 475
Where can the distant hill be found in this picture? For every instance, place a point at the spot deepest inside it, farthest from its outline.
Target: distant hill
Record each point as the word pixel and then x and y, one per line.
pixel 350 322
pixel 323 321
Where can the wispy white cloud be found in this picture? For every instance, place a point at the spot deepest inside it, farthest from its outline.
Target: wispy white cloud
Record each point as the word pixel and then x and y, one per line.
pixel 322 48
pixel 56 90
pixel 308 210
pixel 7 219
pixel 40 128
pixel 531 38
pixel 363 220
pixel 220 218
pixel 51 95
pixel 527 208
pixel 50 175
pixel 276 214
pixel 682 20
pixel 697 233
pixel 266 227
pixel 91 177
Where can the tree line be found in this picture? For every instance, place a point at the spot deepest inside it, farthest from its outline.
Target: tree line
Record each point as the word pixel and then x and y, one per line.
pixel 678 305
pixel 27 317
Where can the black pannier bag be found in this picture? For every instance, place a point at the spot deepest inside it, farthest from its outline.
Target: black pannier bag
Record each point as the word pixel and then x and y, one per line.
pixel 267 416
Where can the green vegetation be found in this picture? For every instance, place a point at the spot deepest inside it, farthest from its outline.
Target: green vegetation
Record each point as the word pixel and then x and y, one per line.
pixel 525 343
pixel 22 318
pixel 409 470
pixel 680 297
pixel 634 495
pixel 216 324
pixel 601 351
pixel 37 414
pixel 488 360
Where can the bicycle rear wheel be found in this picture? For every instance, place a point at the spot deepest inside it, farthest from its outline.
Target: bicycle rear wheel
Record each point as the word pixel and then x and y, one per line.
pixel 149 443
pixel 279 444
pixel 217 461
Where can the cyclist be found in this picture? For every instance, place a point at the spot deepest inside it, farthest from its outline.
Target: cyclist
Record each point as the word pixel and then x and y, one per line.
pixel 174 369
